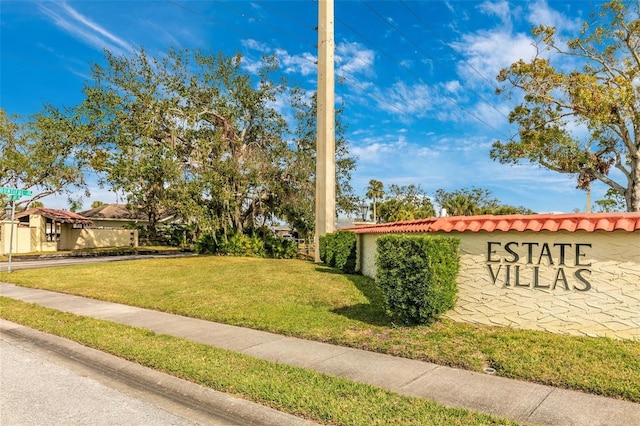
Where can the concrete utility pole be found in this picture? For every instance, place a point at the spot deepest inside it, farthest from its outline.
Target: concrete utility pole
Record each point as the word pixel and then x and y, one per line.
pixel 325 148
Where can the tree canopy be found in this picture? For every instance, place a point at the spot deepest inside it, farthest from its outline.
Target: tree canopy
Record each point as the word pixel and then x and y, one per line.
pixel 585 121
pixel 375 191
pixel 405 203
pixel 474 201
pixel 411 202
pixel 194 134
pixel 39 154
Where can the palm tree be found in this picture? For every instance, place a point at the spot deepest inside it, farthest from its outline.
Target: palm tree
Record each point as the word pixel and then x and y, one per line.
pixel 375 191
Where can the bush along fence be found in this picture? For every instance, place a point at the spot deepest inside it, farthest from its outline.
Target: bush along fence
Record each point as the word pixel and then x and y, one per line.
pixel 339 250
pixel 417 275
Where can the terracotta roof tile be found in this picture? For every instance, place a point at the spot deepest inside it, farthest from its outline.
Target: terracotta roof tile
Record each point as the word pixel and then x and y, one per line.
pixel 62 216
pixel 573 222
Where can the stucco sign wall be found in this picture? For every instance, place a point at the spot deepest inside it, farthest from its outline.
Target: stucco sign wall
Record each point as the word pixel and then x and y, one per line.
pixel 594 289
pixel 581 282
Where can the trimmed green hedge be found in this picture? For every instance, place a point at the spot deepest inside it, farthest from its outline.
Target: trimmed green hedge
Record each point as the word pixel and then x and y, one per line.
pixel 417 275
pixel 338 250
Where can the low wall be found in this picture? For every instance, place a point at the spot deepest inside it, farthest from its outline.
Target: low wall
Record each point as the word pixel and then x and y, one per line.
pixel 21 238
pixel 76 239
pixel 580 282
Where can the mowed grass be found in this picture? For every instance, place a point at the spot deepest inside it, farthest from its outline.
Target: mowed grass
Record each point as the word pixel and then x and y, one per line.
pixel 308 394
pixel 305 300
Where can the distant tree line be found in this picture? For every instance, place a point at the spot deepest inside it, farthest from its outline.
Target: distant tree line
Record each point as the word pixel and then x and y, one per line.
pixel 412 202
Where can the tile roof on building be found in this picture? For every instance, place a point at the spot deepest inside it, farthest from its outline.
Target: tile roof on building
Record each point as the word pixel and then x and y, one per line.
pixel 114 212
pixel 572 222
pixel 62 216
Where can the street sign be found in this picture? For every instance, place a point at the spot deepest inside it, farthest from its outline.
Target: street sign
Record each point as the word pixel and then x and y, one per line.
pixel 16 192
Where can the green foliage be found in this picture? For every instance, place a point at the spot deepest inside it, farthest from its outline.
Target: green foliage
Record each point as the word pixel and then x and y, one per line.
pixel 40 154
pixel 474 201
pixel 327 246
pixel 262 243
pixel 243 245
pixel 277 247
pixel 296 202
pixel 405 203
pixel 375 191
pixel 206 244
pixel 417 276
pixel 600 98
pixel 338 250
pixel 345 251
pixel 194 133
pixel 613 202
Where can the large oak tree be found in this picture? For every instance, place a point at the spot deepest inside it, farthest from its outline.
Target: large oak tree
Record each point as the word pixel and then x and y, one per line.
pixel 584 121
pixel 196 134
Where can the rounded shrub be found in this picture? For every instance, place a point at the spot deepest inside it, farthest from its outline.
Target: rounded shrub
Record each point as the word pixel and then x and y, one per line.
pixel 417 275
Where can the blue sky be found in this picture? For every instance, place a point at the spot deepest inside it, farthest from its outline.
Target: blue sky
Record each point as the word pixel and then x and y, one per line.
pixel 417 77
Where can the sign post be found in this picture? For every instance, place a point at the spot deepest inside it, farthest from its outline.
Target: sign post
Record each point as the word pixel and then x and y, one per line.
pixel 14 195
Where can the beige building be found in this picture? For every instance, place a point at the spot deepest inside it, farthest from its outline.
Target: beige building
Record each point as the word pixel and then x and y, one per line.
pixel 49 230
pixel 569 273
pixel 117 216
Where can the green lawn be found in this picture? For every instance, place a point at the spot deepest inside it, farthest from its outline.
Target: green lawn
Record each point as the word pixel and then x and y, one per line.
pixel 302 299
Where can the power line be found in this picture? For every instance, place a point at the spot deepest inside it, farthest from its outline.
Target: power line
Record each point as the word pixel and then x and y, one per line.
pixel 450 99
pixel 428 27
pixel 269 5
pixel 207 17
pixel 417 46
pixel 262 21
pixel 343 77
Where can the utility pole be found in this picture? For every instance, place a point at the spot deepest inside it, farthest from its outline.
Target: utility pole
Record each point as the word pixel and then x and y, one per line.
pixel 325 148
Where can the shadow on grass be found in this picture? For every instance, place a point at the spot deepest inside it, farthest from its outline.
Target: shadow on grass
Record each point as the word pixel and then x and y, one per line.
pixel 371 313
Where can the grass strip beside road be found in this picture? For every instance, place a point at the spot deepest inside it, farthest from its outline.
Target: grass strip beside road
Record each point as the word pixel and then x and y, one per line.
pixel 316 396
pixel 301 299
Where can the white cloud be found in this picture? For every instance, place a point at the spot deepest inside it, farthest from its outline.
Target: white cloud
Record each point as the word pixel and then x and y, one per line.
pixel 252 44
pixel 352 58
pixel 501 9
pixel 375 150
pixel 406 100
pixel 541 14
pixel 453 86
pixel 490 51
pixel 304 63
pixel 84 29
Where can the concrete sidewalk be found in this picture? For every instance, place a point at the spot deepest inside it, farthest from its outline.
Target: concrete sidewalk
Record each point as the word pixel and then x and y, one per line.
pixel 521 401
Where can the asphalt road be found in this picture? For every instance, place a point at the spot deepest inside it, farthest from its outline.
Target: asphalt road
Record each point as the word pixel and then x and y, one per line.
pixel 46 380
pixel 66 261
pixel 38 389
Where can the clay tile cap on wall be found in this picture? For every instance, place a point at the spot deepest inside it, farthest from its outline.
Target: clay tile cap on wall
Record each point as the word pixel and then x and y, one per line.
pixel 488 226
pixel 549 225
pixel 589 222
pixel 627 224
pixel 585 225
pixel 460 225
pixel 503 225
pixel 567 225
pixel 605 224
pixel 474 226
